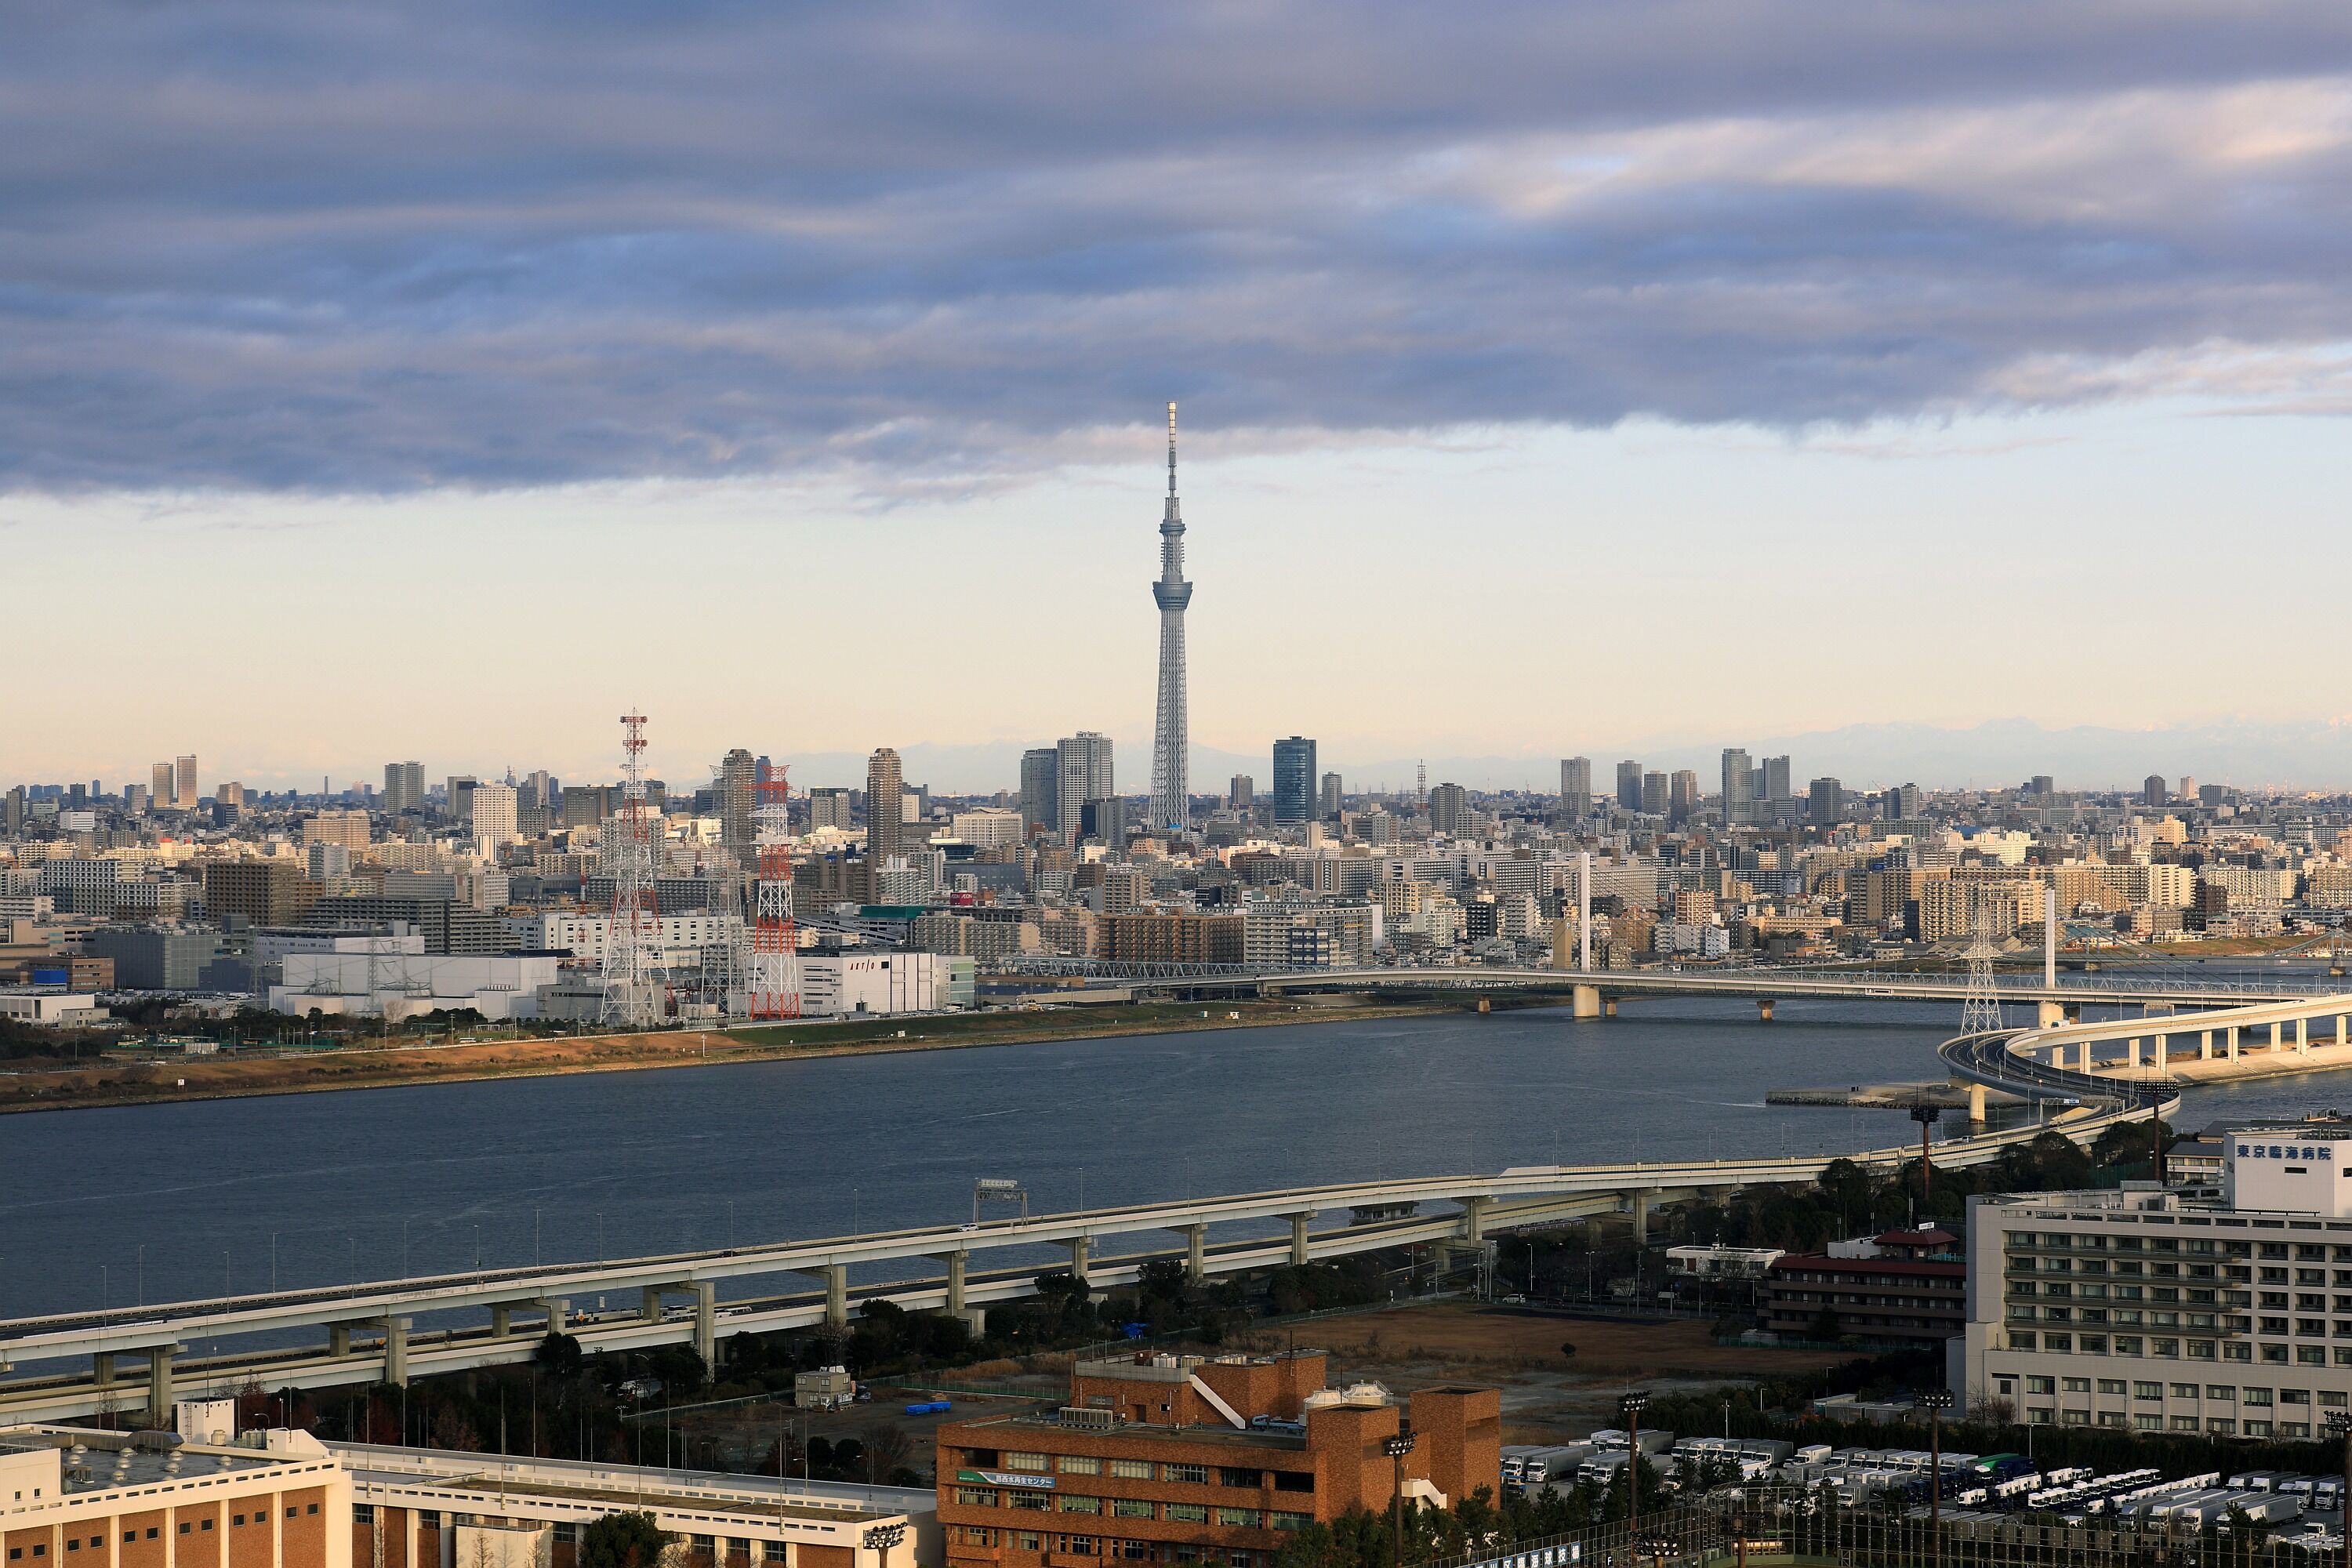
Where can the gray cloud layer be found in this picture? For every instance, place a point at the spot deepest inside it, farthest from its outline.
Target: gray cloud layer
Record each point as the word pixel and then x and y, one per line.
pixel 372 247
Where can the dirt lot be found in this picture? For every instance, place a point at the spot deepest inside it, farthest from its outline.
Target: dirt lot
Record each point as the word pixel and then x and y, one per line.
pixel 1545 1394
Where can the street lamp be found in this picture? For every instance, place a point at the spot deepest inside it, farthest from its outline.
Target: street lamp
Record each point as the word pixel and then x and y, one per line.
pixel 2340 1423
pixel 1629 1409
pixel 1396 1447
pixel 1935 1401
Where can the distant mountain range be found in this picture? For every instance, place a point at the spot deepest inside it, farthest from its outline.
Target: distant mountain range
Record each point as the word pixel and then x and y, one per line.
pixel 2304 753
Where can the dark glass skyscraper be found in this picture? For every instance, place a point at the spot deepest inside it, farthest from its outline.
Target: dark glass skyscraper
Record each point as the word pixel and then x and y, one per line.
pixel 1295 780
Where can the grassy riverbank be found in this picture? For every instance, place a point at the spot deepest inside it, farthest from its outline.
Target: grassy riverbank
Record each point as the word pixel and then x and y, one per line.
pixel 47 1085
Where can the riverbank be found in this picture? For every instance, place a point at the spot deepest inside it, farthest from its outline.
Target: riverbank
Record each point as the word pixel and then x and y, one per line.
pixel 26 1086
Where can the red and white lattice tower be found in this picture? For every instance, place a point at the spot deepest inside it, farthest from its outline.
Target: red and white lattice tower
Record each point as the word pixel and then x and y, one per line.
pixel 775 943
pixel 633 993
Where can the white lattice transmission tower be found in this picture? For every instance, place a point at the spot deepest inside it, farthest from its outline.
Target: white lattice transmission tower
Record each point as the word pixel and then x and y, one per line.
pixel 1980 1011
pixel 775 978
pixel 632 991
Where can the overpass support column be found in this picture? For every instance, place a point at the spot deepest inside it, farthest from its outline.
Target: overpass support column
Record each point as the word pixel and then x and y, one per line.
pixel 1196 1253
pixel 2049 1015
pixel 501 1322
pixel 1976 1105
pixel 2278 1038
pixel 2302 1037
pixel 159 1384
pixel 651 1310
pixel 339 1339
pixel 2231 1042
pixel 706 1323
pixel 102 1369
pixel 2205 1045
pixel 2339 1030
pixel 1078 1258
pixel 559 1313
pixel 1637 1203
pixel 1474 1219
pixel 957 1262
pixel 836 1295
pixel 2163 1052
pixel 1584 1002
pixel 396 1352
pixel 1298 1240
pixel 1763 1009
pixel 2083 1056
pixel 2134 1058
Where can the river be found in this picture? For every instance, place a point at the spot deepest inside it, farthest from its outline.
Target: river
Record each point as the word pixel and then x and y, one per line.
pixel 164 1201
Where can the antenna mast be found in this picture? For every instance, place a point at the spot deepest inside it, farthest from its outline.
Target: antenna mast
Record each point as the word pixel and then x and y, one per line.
pixel 631 1001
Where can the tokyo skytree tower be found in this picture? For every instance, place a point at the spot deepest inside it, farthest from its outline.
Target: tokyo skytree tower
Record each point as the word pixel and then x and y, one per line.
pixel 1171 734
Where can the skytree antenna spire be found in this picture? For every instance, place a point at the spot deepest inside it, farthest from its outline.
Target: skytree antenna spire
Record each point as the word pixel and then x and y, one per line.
pixel 1171 734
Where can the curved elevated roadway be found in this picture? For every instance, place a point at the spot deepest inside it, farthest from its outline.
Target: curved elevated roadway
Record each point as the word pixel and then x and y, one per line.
pixel 67 1364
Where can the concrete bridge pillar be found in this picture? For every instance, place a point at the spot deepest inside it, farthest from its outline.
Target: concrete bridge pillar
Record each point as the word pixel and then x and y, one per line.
pixel 1584 1002
pixel 2163 1055
pixel 651 1308
pixel 2205 1047
pixel 1976 1105
pixel 1474 1219
pixel 1609 1008
pixel 2049 1015
pixel 339 1339
pixel 2231 1041
pixel 1298 1240
pixel 2302 1037
pixel 706 1321
pixel 1196 1253
pixel 159 1384
pixel 2339 1030
pixel 2278 1038
pixel 102 1369
pixel 396 1352
pixel 501 1322
pixel 559 1313
pixel 2134 1060
pixel 1763 1009
pixel 956 1262
pixel 1078 1258
pixel 1637 1204
pixel 836 1295
pixel 2083 1056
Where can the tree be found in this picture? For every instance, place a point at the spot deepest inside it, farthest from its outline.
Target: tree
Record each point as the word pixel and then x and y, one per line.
pixel 1825 1327
pixel 1567 1348
pixel 622 1541
pixel 558 1355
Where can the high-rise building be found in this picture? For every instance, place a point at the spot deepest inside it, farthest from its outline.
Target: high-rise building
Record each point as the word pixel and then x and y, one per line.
pixel 1041 808
pixel 1825 802
pixel 1738 785
pixel 185 794
pixel 1081 772
pixel 2188 788
pixel 12 810
pixel 1776 781
pixel 1682 794
pixel 1241 793
pixel 885 811
pixel 739 772
pixel 1295 775
pixel 1576 786
pixel 2044 785
pixel 1629 785
pixel 1332 796
pixel 2152 791
pixel 404 787
pixel 458 792
pixel 831 807
pixel 1654 794
pixel 493 815
pixel 1902 803
pixel 164 790
pixel 1446 803
pixel 1170 734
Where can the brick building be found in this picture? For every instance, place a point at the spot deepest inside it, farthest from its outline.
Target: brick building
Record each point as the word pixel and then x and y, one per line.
pixel 1173 939
pixel 1180 1459
pixel 75 1498
pixel 1911 1287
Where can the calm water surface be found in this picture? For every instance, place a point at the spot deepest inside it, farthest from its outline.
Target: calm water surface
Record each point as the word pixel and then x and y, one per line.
pixel 173 1201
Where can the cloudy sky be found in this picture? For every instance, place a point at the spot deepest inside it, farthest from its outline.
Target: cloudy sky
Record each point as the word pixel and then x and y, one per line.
pixel 433 380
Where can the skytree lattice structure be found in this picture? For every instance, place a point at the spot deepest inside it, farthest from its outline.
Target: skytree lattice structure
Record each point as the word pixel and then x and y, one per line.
pixel 633 998
pixel 1171 734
